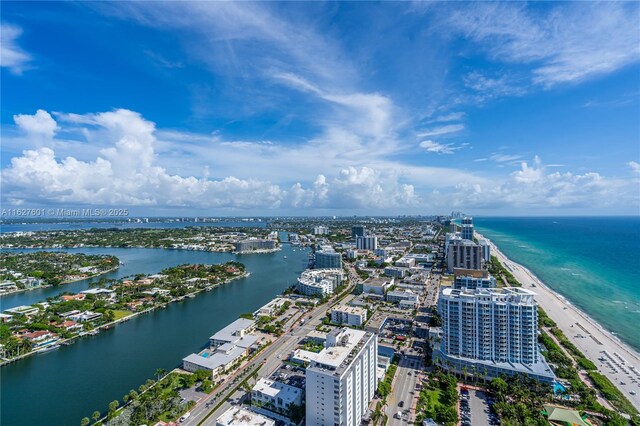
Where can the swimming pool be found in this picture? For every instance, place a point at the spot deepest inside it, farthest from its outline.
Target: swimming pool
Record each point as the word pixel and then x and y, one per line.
pixel 558 388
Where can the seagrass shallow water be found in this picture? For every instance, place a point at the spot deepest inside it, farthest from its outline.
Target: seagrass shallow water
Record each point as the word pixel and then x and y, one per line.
pixel 594 262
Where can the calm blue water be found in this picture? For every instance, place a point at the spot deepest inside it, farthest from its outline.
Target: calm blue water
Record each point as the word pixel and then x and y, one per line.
pixel 72 382
pixel 66 226
pixel 593 261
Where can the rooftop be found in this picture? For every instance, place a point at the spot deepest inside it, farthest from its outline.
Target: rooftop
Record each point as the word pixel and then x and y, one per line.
pixel 275 389
pixel 240 417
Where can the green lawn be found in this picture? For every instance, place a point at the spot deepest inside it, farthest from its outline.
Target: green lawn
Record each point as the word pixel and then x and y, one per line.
pixel 121 314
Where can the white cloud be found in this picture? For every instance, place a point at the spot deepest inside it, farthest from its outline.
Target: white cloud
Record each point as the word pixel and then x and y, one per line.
pixel 565 43
pixel 11 55
pixel 439 148
pixel 127 173
pixel 442 130
pixel 635 166
pixel 41 124
pixel 504 158
pixel 532 187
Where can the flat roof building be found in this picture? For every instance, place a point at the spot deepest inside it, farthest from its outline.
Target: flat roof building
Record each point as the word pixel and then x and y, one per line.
pixel 275 396
pixel 341 379
pixel 236 416
pixel 491 332
pixel 349 315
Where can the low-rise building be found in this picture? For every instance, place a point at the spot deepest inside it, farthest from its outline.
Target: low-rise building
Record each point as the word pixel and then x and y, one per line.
pixel 271 308
pixel 85 316
pixel 397 296
pixel 40 338
pixel 378 285
pixel 237 416
pixel 395 272
pixel 275 396
pixel 236 333
pixel 349 315
pixel 319 282
pixel 23 310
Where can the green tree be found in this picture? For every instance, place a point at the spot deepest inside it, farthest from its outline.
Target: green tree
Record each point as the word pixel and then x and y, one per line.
pixel 499 387
pixel 113 406
pixel 160 372
pixel 85 421
pixel 95 416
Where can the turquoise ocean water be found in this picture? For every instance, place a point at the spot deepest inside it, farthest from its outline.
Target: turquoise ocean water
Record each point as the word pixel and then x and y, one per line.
pixel 592 261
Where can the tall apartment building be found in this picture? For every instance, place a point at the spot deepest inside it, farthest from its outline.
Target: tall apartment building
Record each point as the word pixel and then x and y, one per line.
pixel 464 254
pixel 467 229
pixel 358 231
pixel 490 332
pixel 254 244
pixel 328 259
pixel 367 242
pixel 486 249
pixel 341 379
pixel 320 230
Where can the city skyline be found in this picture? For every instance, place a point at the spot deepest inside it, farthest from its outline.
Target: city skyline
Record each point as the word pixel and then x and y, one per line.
pixel 223 109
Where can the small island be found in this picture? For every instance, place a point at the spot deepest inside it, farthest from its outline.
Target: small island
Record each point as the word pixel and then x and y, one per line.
pixel 44 326
pixel 216 239
pixel 28 271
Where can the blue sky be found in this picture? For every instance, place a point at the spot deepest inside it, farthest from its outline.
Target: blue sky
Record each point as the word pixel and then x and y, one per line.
pixel 322 108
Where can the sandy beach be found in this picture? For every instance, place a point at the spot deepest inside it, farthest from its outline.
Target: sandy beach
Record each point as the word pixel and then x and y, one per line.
pixel 621 363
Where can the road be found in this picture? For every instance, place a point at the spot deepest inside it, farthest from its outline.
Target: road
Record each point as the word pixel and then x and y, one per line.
pixel 404 389
pixel 272 358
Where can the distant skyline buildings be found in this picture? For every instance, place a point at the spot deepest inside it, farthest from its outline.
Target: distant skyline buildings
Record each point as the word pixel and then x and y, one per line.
pixel 493 124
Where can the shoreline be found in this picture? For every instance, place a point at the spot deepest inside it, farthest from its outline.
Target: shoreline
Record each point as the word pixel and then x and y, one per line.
pixel 574 322
pixel 109 325
pixel 21 290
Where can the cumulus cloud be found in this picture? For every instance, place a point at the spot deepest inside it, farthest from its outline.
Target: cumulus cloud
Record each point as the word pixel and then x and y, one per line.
pixel 126 174
pixel 635 166
pixel 532 187
pixel 12 56
pixel 41 124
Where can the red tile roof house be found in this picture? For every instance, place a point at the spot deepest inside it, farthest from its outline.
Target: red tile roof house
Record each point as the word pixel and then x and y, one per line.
pixel 40 338
pixel 71 326
pixel 67 297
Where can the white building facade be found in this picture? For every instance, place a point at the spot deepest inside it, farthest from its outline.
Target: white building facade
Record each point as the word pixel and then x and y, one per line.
pixel 341 380
pixel 490 331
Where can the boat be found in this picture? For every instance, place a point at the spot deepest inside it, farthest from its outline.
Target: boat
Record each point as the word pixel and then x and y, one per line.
pixel 284 257
pixel 93 332
pixel 49 349
pixel 191 296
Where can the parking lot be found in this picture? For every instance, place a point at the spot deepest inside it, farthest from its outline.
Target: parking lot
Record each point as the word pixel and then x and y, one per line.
pixel 475 409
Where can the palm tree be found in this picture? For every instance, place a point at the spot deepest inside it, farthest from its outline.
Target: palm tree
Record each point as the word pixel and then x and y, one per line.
pixel 95 416
pixel 160 372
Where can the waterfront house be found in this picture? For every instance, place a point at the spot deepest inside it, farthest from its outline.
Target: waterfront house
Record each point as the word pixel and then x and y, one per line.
pixel 23 310
pixel 69 297
pixel 86 316
pixel 6 318
pixel 6 286
pixel 71 326
pixel 100 293
pixel 40 338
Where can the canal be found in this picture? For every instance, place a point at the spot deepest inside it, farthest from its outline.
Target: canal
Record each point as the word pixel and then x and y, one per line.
pixel 61 387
